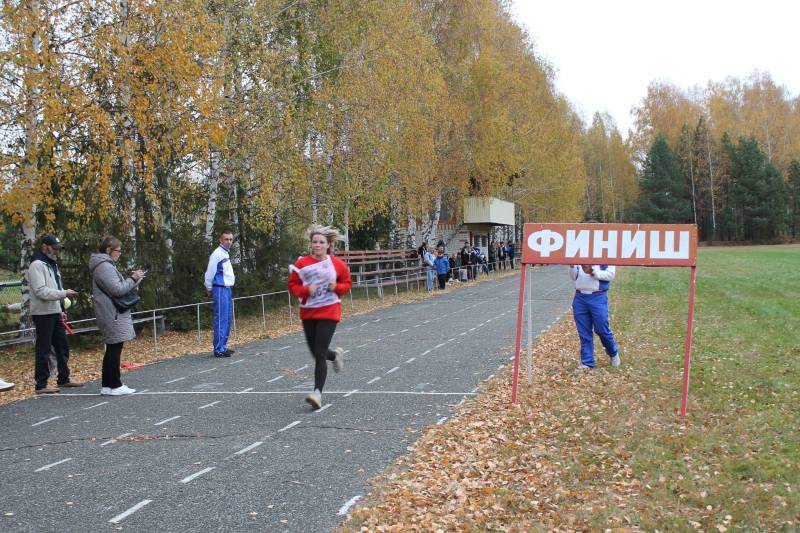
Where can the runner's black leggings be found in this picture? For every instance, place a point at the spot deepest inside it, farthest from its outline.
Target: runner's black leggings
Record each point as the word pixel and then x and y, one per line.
pixel 319 334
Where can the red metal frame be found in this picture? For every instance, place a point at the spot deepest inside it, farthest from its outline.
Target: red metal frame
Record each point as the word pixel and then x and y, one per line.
pixel 529 257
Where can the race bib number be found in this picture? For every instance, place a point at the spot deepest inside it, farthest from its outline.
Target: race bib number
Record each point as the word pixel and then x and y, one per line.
pixel 320 274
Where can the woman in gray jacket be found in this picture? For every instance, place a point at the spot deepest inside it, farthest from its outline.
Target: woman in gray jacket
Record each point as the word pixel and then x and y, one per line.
pixel 115 326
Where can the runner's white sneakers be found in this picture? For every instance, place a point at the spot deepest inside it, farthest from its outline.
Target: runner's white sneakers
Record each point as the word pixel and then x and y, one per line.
pixel 615 361
pixel 338 363
pixel 314 399
pixel 7 385
pixel 119 391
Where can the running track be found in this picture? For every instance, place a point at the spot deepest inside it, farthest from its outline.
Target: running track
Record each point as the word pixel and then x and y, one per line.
pixel 230 445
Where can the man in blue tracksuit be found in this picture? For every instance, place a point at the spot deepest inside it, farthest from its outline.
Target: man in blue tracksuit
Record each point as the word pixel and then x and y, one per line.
pixel 219 282
pixel 590 309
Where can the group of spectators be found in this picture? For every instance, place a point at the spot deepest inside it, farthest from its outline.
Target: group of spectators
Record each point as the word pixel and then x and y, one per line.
pixel 464 265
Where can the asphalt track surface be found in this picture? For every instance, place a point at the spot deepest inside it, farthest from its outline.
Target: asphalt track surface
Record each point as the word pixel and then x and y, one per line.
pixel 229 444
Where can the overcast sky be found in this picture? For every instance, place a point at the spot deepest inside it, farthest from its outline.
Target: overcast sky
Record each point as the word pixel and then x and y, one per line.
pixel 605 53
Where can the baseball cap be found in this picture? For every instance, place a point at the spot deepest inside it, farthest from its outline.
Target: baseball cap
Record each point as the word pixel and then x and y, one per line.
pixel 51 240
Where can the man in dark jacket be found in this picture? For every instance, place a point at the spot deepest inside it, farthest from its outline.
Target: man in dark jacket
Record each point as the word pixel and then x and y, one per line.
pixel 466 251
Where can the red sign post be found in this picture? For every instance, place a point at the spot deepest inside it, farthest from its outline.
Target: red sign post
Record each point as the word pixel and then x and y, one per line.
pixel 611 244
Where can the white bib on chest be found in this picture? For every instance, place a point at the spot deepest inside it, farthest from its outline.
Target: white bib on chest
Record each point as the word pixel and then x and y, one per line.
pixel 320 274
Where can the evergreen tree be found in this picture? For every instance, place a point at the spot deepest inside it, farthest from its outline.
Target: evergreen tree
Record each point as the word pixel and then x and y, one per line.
pixel 758 192
pixel 663 196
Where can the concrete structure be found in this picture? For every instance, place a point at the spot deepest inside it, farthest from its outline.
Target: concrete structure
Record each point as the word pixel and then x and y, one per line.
pixel 483 215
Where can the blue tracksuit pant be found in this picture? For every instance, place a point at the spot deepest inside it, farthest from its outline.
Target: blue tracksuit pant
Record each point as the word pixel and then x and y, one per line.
pixel 223 316
pixel 591 312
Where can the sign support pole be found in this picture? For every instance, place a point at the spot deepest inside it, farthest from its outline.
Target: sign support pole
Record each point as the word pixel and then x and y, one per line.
pixel 520 308
pixel 687 357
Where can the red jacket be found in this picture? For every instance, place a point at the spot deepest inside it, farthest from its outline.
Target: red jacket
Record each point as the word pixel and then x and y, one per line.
pixel 300 291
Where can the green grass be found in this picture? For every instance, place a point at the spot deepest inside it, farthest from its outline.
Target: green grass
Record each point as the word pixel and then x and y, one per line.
pixel 739 453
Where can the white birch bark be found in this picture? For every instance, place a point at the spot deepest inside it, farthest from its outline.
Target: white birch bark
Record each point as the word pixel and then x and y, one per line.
pixel 213 186
pixel 347 227
pixel 711 187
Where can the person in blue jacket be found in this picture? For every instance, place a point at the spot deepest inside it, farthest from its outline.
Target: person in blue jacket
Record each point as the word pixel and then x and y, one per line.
pixel 590 310
pixel 219 281
pixel 442 266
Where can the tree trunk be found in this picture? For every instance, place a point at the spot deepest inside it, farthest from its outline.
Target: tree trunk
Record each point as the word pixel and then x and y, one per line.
pixel 411 231
pixel 213 186
pixel 711 187
pixel 347 227
pixel 432 225
pixel 26 249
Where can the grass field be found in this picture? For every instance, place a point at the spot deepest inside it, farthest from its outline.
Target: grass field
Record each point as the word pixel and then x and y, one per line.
pixel 607 449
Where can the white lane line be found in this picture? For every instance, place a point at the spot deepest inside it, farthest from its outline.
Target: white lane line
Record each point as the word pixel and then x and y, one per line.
pixel 115 439
pixel 174 380
pixel 122 516
pixel 236 362
pixel 301 368
pixel 373 380
pixel 196 475
pixel 248 389
pixel 323 408
pixel 418 325
pixel 490 377
pixel 462 333
pixel 391 334
pixel 279 392
pixel 364 324
pixel 471 329
pixel 376 320
pixel 451 340
pixel 212 404
pixel 51 465
pixel 346 351
pixel 248 448
pixel 282 348
pixel 289 426
pixel 45 421
pixel 141 392
pixel 95 405
pixel 208 370
pixel 362 345
pixel 411 360
pixel 426 352
pixel 439 345
pixel 273 379
pixel 167 420
pixel 426 321
pixel 441 421
pixel 349 393
pixel 343 509
pixel 392 370
pixel 403 330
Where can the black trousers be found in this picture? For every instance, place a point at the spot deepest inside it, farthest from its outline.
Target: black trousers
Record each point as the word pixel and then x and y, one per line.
pixel 111 376
pixel 319 334
pixel 50 334
pixel 442 280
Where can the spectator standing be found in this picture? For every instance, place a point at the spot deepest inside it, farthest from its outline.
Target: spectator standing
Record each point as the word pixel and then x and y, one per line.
pixel 318 280
pixel 465 259
pixel 115 325
pixel 442 266
pixel 501 255
pixel 590 310
pixel 452 262
pixel 492 256
pixel 219 281
pixel 510 254
pixel 427 261
pixel 47 309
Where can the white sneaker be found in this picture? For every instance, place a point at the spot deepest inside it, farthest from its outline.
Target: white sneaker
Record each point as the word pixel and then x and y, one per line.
pixel 314 399
pixel 615 361
pixel 105 391
pixel 122 391
pixel 584 367
pixel 6 385
pixel 338 363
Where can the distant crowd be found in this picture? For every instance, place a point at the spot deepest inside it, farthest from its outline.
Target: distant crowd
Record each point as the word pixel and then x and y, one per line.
pixel 464 265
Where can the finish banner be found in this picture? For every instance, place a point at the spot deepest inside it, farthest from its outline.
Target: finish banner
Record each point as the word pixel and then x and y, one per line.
pixel 610 244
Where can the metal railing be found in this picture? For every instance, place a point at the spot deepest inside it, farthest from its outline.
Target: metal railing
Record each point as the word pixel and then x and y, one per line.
pixel 415 279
